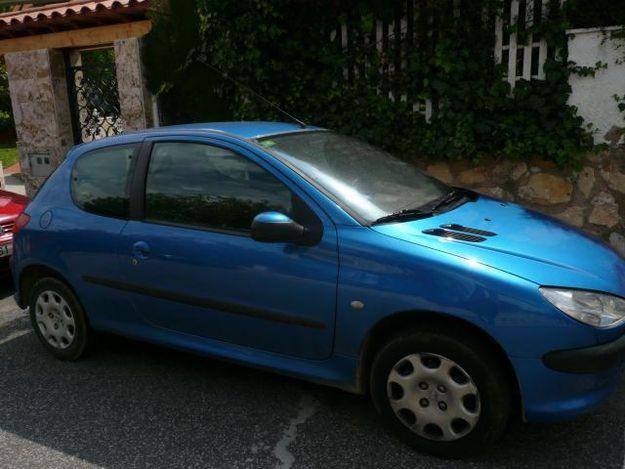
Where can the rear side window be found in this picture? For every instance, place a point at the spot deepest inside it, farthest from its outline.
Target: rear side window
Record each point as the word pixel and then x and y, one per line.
pixel 205 186
pixel 100 181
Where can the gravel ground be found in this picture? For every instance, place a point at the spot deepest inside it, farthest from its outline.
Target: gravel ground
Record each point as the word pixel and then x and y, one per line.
pixel 135 405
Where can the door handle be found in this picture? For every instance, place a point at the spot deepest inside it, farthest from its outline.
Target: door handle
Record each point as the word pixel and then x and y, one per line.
pixel 141 250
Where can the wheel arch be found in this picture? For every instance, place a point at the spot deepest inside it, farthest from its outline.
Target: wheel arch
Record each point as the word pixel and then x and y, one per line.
pixel 31 274
pixel 390 325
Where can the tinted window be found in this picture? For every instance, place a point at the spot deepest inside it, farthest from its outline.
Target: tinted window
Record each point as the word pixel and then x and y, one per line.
pixel 100 181
pixel 201 185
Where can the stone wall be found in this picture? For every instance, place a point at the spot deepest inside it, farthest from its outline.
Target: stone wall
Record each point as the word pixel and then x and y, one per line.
pixel 134 98
pixel 592 199
pixel 39 100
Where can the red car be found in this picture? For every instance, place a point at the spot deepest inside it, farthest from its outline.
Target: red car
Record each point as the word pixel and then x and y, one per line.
pixel 11 205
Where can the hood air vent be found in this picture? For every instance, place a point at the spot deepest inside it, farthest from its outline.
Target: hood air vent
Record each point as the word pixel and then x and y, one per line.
pixel 454 235
pixel 465 229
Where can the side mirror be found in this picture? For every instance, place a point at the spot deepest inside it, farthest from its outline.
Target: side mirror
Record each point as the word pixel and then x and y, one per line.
pixel 275 227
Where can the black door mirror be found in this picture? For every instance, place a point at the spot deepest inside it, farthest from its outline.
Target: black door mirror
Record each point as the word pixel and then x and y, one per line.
pixel 275 227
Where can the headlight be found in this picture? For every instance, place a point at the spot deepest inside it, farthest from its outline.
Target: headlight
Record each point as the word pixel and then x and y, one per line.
pixel 596 309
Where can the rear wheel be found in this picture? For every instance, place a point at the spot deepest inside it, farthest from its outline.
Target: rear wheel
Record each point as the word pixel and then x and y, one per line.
pixel 441 391
pixel 58 319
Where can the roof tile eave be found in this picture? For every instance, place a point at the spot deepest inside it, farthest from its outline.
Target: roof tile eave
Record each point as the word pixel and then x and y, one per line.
pixel 69 8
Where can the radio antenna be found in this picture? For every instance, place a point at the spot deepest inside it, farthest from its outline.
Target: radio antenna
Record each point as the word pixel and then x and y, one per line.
pixel 299 122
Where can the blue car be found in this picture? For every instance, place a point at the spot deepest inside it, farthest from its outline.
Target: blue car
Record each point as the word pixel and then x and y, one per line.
pixel 302 251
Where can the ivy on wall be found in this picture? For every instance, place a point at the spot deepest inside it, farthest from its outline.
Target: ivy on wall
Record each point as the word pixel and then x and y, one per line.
pixel 597 13
pixel 7 126
pixel 282 50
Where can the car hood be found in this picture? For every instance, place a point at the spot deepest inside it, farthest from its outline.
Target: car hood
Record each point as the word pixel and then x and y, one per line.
pixel 525 243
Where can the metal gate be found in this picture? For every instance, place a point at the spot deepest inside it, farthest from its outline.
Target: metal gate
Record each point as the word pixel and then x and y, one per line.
pixel 93 96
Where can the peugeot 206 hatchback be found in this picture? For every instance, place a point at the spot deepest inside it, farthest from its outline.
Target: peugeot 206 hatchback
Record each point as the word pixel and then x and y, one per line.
pixel 306 252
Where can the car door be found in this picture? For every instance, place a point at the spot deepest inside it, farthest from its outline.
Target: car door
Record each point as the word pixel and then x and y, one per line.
pixel 84 233
pixel 192 267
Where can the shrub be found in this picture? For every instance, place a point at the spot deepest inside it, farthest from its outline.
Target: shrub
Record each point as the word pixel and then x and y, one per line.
pixel 282 50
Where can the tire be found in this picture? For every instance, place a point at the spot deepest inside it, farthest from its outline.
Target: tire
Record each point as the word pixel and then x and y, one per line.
pixel 474 389
pixel 58 319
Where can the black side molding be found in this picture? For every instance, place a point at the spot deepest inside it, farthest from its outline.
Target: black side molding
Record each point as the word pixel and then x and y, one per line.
pixel 589 359
pixel 232 308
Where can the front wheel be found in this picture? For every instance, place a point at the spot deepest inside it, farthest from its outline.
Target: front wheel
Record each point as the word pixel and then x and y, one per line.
pixel 441 391
pixel 58 319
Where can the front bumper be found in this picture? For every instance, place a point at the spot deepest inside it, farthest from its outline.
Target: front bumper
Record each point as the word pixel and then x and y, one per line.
pixel 550 395
pixel 566 383
pixel 588 359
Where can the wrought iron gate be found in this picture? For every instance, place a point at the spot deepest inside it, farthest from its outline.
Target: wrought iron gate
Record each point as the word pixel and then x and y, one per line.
pixel 93 97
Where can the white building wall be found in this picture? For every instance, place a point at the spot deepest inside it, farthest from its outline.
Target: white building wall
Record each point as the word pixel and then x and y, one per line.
pixel 594 97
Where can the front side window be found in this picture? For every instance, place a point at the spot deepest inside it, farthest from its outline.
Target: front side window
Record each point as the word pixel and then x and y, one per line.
pixel 100 180
pixel 370 182
pixel 200 185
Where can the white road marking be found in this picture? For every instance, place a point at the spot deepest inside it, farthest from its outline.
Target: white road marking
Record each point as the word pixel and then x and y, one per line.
pixel 14 335
pixel 307 408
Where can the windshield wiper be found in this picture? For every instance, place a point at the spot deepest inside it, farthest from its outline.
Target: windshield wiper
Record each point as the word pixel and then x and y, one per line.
pixel 447 199
pixel 410 213
pixel 426 211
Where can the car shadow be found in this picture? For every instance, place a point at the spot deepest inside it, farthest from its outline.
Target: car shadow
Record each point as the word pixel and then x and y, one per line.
pixel 131 404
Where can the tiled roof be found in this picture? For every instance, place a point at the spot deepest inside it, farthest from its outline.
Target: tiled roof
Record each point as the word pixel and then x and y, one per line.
pixel 69 15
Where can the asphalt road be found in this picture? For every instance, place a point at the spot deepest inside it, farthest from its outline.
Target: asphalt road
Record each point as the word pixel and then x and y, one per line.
pixel 134 405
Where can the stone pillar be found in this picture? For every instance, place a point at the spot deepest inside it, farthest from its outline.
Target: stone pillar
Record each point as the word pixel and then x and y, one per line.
pixel 134 98
pixel 38 88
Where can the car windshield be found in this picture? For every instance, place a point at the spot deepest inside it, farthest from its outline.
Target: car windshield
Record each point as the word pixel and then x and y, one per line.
pixel 368 181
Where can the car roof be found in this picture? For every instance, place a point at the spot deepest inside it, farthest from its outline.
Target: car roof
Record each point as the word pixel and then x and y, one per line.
pixel 238 129
pixel 242 129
